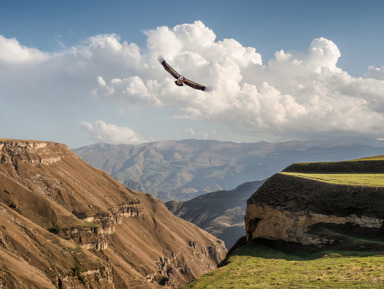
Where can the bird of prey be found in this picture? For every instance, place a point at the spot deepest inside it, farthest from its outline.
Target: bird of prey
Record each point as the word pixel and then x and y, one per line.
pixel 181 79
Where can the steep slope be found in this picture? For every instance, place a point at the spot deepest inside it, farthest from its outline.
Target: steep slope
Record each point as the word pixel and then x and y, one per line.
pixel 219 213
pixel 182 170
pixel 304 202
pixel 31 257
pixel 74 226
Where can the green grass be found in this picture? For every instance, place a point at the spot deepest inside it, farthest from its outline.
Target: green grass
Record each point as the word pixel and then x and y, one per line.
pixel 374 158
pixel 89 224
pixel 258 266
pixel 366 180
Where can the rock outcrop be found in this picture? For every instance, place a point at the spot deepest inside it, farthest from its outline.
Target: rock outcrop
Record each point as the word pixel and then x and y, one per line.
pixel 297 209
pixel 100 226
pixel 31 257
pixel 65 224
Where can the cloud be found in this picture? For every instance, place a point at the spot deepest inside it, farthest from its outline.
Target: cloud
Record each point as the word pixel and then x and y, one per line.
pixel 110 133
pixel 295 94
pixel 12 52
pixel 375 73
pixel 190 131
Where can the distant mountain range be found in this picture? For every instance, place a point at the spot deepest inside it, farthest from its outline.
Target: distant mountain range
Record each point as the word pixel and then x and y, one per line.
pixel 185 169
pixel 219 213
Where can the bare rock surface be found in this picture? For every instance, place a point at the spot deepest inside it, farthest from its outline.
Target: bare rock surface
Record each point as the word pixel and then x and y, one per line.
pixel 65 224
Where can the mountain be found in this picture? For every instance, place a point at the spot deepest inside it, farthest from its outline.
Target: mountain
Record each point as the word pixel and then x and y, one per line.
pixel 312 225
pixel 219 213
pixel 183 170
pixel 65 224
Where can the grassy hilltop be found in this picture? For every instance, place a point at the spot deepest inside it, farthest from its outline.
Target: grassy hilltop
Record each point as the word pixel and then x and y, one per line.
pixel 365 172
pixel 356 262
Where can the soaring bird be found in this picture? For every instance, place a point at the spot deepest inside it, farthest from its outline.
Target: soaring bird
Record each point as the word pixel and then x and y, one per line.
pixel 181 79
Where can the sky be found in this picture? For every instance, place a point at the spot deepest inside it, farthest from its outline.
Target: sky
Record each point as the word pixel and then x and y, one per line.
pixel 85 71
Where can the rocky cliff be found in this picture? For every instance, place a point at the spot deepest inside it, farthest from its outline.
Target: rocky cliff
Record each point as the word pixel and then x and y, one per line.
pixel 65 224
pixel 298 206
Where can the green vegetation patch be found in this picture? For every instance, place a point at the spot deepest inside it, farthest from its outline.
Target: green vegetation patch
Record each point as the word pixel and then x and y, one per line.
pixel 259 266
pixel 89 224
pixel 374 158
pixel 365 180
pixel 369 165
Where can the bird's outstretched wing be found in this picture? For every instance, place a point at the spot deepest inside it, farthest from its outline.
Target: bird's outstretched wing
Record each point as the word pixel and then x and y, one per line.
pixel 167 67
pixel 197 86
pixel 176 75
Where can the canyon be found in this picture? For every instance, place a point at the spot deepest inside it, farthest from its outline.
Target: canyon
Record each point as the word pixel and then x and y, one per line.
pixel 65 224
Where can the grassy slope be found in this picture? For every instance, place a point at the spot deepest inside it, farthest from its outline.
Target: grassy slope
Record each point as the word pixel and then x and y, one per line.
pixel 365 180
pixel 262 266
pixel 366 172
pixel 259 266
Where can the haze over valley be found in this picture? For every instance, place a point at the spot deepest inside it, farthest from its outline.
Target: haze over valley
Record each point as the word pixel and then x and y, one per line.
pixel 182 170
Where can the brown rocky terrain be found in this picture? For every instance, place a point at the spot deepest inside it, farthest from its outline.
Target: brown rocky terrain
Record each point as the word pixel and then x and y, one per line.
pixel 309 212
pixel 65 224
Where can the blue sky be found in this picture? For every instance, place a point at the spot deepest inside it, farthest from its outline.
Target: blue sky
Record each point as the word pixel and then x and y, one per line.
pixel 70 70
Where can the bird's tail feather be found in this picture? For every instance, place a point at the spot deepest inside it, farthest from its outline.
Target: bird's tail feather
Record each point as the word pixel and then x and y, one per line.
pixel 160 58
pixel 208 89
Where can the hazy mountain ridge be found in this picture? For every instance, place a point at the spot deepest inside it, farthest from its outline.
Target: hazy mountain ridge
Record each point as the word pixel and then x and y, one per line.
pixel 70 225
pixel 182 170
pixel 219 213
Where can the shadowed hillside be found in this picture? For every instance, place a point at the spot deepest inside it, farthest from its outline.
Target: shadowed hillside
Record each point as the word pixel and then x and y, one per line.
pixel 347 193
pixel 219 213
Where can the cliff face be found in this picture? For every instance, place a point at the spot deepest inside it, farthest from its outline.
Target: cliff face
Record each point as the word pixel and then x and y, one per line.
pixel 309 212
pixel 69 225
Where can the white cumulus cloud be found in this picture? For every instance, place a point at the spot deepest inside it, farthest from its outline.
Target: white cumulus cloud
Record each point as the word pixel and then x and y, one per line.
pixel 11 51
pixel 297 93
pixel 375 73
pixel 110 133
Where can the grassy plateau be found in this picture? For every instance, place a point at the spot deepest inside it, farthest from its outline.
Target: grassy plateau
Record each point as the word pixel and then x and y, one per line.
pixel 365 180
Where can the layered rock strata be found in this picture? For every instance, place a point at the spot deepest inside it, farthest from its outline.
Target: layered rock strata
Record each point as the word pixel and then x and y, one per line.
pixel 69 225
pixel 288 208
